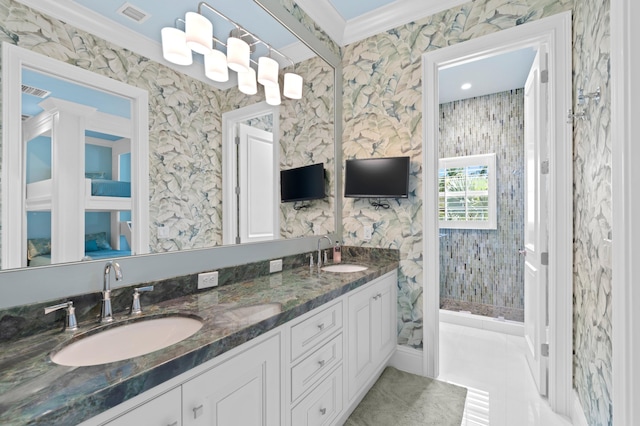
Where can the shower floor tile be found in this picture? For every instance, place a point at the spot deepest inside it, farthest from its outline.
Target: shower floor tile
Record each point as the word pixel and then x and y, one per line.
pixel 512 314
pixel 493 367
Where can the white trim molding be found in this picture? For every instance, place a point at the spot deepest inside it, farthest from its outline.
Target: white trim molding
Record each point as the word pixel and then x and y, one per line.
pixel 407 359
pixel 382 19
pixel 555 33
pixel 625 133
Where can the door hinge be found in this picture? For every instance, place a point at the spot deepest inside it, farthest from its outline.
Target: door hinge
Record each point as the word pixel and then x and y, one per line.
pixel 237 140
pixel 237 190
pixel 544 167
pixel 544 76
pixel 544 258
pixel 238 240
pixel 544 350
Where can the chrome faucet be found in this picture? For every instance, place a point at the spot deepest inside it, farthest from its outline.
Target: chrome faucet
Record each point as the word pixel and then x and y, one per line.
pixel 107 313
pixel 319 254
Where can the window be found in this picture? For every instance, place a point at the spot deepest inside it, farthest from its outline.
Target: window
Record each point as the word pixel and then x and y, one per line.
pixel 467 192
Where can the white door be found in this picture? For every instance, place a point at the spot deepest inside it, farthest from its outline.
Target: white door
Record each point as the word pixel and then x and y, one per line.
pixel 535 220
pixel 257 179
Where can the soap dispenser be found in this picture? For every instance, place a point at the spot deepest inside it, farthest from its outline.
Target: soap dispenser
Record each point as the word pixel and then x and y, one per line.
pixel 337 253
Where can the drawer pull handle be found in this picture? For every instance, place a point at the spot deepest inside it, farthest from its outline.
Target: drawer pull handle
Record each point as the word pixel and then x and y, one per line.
pixel 323 411
pixel 321 326
pixel 321 362
pixel 173 424
pixel 197 412
pixel 377 296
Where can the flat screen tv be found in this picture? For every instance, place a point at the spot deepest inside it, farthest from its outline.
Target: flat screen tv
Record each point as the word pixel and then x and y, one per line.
pixel 302 183
pixel 377 178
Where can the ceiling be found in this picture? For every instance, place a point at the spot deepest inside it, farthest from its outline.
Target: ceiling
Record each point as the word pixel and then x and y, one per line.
pixel 344 21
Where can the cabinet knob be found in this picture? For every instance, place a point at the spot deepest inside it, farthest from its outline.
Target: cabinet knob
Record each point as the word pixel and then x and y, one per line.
pixel 323 411
pixel 321 362
pixel 197 411
pixel 321 326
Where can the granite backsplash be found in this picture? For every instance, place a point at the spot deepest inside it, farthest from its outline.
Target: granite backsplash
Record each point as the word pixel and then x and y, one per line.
pixel 22 321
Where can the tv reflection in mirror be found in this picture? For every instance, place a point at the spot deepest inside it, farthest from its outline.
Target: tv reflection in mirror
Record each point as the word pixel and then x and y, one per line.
pixel 302 184
pixel 377 178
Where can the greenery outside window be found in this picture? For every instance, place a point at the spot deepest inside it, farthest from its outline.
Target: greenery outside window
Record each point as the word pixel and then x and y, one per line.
pixel 467 192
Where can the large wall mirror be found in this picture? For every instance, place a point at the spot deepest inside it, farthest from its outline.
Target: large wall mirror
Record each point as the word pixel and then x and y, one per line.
pixel 184 209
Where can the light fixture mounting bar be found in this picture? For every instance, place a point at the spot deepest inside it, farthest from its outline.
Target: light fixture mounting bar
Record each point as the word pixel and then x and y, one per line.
pixel 240 27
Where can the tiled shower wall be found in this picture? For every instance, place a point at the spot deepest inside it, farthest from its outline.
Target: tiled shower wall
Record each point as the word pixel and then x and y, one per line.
pixel 479 265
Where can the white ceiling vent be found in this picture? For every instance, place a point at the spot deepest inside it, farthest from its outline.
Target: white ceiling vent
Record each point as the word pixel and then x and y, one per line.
pixel 133 12
pixel 34 91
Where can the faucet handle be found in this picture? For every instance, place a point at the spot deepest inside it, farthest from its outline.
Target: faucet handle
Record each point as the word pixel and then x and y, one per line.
pixel 135 307
pixel 72 323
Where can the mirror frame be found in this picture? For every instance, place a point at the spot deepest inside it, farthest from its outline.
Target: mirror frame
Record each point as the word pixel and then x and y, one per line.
pixel 25 286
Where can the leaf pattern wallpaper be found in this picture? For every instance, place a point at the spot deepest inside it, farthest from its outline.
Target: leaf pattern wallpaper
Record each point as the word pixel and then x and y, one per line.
pixel 382 117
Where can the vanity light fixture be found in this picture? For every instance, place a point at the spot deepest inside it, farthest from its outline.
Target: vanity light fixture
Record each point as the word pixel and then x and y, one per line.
pixel 292 86
pixel 215 66
pixel 238 54
pixel 272 95
pixel 199 32
pixel 177 48
pixel 247 82
pixel 268 71
pixel 174 46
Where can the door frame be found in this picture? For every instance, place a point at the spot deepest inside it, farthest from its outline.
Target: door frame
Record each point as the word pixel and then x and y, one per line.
pixel 229 177
pixel 625 131
pixel 555 32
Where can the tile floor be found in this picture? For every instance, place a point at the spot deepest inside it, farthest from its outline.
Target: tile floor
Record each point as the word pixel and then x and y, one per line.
pixel 493 367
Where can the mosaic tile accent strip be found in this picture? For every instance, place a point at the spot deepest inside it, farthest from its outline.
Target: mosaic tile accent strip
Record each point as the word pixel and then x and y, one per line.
pixel 483 266
pixel 511 314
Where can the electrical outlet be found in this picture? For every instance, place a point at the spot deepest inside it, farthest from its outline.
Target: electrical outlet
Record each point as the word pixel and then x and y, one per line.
pixel 368 233
pixel 275 266
pixel 207 279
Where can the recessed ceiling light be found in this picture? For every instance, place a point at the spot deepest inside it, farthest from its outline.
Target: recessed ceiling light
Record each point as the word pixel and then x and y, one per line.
pixel 466 86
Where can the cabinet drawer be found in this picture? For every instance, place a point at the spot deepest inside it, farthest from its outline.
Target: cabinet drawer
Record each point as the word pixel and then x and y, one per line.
pixel 161 411
pixel 314 329
pixel 322 405
pixel 316 365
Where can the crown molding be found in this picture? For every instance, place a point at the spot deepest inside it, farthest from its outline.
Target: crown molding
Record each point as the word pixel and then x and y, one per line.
pixel 393 15
pixel 326 16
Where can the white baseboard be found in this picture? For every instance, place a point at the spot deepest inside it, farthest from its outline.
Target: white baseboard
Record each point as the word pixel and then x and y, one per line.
pixel 407 359
pixel 485 323
pixel 578 418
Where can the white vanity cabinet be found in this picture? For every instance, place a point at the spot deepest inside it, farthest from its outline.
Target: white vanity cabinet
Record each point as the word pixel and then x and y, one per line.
pixel 311 371
pixel 241 387
pixel 372 335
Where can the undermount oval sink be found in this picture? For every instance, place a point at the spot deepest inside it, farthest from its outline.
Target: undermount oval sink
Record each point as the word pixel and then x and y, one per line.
pixel 344 267
pixel 126 341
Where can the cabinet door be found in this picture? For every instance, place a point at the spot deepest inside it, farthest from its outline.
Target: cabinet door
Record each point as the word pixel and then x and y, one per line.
pixel 372 334
pixel 165 410
pixel 245 390
pixel 361 339
pixel 384 317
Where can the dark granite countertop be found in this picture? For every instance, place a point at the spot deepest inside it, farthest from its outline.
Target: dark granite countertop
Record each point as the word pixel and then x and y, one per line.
pixel 34 390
